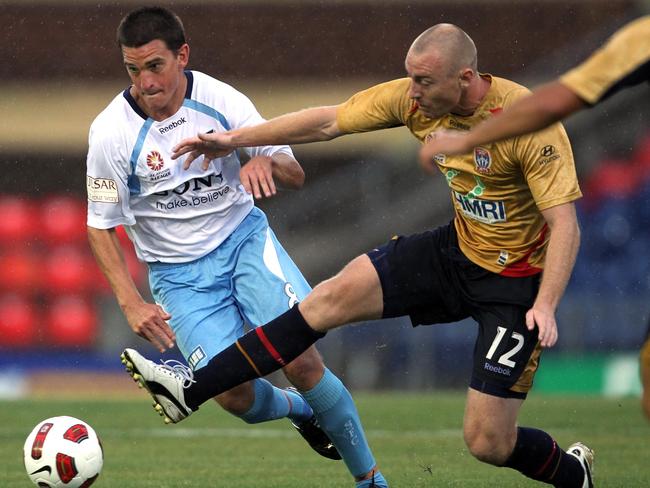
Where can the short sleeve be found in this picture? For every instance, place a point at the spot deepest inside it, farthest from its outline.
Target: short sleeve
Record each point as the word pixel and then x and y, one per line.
pixel 379 107
pixel 547 163
pixel 622 61
pixel 107 174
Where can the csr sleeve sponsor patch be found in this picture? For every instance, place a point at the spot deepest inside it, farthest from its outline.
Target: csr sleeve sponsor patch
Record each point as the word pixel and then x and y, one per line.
pixel 102 190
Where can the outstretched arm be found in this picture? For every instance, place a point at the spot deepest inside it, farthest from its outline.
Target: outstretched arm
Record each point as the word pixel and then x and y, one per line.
pixel 309 125
pixel 550 103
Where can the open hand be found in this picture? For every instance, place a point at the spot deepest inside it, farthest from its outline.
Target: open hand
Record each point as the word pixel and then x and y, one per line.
pixel 257 177
pixel 545 321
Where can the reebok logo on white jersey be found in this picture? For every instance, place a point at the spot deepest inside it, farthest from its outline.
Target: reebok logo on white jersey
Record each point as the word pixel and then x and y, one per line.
pixel 172 126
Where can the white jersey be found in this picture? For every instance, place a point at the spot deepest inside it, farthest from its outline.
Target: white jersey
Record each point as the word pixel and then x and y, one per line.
pixel 171 214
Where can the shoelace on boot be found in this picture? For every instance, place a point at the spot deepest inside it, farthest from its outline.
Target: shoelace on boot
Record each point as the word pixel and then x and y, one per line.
pixel 179 369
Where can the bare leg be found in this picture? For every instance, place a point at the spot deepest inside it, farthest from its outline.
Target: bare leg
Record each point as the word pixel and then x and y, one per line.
pixel 237 400
pixel 490 426
pixel 306 370
pixel 492 436
pixel 352 295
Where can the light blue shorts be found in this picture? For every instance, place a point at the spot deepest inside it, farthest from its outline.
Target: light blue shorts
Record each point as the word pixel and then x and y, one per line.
pixel 249 279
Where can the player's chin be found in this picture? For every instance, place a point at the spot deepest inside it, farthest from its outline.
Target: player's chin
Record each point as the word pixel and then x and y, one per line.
pixel 156 100
pixel 157 103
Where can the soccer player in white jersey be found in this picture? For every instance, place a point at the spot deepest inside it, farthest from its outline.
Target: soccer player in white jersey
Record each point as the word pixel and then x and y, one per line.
pixel 214 263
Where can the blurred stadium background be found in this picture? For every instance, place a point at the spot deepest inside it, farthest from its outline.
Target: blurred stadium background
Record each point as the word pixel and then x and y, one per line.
pixel 61 67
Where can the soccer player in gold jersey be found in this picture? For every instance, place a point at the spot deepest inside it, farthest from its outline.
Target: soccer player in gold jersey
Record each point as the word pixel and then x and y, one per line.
pixel 623 61
pixel 514 217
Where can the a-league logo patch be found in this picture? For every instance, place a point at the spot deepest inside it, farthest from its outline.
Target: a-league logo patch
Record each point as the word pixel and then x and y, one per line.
pixel 196 357
pixel 483 160
pixel 155 161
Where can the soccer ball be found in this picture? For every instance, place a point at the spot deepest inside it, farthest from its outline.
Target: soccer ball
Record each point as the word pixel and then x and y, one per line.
pixel 63 452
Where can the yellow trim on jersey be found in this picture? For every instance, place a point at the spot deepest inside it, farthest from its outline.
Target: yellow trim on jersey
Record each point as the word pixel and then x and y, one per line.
pixel 525 381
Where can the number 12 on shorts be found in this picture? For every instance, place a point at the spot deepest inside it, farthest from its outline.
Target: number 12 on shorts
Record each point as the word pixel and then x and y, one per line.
pixel 505 357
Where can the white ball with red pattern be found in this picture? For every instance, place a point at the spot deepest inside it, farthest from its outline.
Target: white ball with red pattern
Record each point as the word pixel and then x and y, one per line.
pixel 63 452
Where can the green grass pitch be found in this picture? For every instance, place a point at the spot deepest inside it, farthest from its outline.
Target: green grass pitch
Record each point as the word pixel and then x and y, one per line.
pixel 416 438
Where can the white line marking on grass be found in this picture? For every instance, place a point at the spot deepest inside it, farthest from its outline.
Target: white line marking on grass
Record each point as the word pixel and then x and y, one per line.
pixel 256 433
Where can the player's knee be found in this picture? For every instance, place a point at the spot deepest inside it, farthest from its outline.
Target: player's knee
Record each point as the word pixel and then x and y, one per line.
pixel 306 370
pixel 487 446
pixel 483 450
pixel 329 292
pixel 332 295
pixel 236 402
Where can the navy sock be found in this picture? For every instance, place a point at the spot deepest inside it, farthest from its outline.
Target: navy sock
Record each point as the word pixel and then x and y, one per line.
pixel 537 456
pixel 257 353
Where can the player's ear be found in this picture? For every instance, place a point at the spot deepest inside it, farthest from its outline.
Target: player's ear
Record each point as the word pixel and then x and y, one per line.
pixel 183 55
pixel 465 77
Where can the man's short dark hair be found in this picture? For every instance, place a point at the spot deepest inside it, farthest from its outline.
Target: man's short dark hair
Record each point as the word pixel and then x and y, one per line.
pixel 147 24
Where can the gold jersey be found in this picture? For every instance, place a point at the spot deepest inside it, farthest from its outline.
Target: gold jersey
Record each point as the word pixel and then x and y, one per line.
pixel 623 61
pixel 499 190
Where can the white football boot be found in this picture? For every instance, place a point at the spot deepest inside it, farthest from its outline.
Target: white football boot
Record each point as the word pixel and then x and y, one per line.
pixel 165 382
pixel 586 457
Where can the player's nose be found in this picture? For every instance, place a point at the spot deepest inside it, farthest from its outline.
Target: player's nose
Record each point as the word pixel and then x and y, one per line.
pixel 148 84
pixel 414 92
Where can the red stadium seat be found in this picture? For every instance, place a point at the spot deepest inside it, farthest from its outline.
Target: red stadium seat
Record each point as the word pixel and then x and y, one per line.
pixel 71 321
pixel 642 157
pixel 137 269
pixel 610 179
pixel 19 221
pixel 101 285
pixel 17 321
pixel 123 236
pixel 63 220
pixel 20 271
pixel 68 270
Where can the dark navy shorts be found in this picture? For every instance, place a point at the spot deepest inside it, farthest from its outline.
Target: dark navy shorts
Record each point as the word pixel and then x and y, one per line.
pixel 427 277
